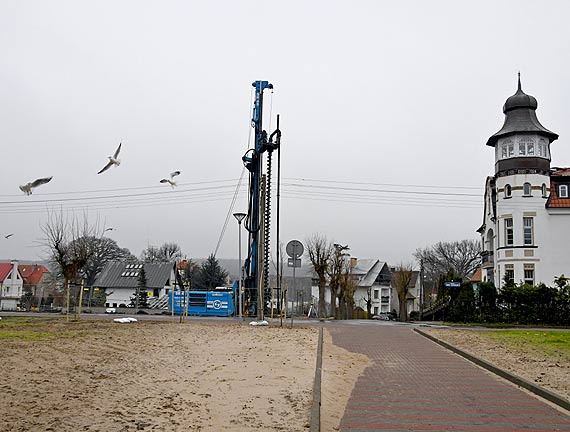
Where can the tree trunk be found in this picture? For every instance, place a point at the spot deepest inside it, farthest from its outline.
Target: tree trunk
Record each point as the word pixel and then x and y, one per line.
pixel 322 284
pixel 403 309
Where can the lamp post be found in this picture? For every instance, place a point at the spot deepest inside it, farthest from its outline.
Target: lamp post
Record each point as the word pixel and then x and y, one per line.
pixel 239 217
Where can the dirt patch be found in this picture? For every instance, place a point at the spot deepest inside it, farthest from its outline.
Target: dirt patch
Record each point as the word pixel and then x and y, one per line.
pixel 159 376
pixel 341 369
pixel 166 376
pixel 549 370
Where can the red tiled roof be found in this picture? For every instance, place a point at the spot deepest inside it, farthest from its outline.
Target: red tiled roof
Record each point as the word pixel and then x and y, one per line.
pixel 5 269
pixel 554 201
pixel 562 172
pixel 477 276
pixel 32 274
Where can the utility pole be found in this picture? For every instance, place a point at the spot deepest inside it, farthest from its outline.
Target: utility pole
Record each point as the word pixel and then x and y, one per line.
pixel 421 289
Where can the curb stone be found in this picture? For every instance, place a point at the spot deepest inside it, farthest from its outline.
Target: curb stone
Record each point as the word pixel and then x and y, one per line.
pixel 315 425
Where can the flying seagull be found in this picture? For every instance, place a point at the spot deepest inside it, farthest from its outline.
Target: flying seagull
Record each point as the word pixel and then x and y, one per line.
pixel 171 180
pixel 28 187
pixel 112 160
pixel 8 236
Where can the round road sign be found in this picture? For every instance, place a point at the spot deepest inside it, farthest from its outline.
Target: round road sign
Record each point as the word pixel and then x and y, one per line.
pixel 294 248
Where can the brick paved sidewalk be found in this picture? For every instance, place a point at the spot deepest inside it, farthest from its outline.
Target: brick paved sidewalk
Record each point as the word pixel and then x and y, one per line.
pixel 414 384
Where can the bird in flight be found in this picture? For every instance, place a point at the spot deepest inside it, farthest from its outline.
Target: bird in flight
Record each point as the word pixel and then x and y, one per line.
pixel 28 187
pixel 113 160
pixel 8 236
pixel 171 180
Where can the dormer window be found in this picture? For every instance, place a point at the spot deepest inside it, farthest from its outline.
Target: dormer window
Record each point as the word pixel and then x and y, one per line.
pixel 563 191
pixel 508 191
pixel 527 189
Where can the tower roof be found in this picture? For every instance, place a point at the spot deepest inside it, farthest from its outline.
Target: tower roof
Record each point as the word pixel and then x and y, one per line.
pixel 520 117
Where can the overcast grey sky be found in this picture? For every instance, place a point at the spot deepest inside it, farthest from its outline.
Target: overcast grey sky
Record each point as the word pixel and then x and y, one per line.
pixel 373 95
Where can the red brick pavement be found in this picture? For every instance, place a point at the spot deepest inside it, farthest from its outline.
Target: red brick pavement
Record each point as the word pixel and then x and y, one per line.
pixel 414 384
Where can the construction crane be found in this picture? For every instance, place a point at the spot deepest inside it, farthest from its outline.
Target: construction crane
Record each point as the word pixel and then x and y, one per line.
pixel 257 291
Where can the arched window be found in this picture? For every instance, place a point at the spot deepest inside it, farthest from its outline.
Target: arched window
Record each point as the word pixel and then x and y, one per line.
pixel 527 189
pixel 543 190
pixel 563 191
pixel 508 191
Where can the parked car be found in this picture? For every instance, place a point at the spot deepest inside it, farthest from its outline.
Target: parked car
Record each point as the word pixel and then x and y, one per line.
pixel 382 317
pixel 110 310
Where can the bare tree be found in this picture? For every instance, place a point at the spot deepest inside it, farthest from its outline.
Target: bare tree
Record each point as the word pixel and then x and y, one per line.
pixel 168 252
pixel 462 257
pixel 401 281
pixel 66 245
pixel 335 272
pixel 348 286
pixel 320 251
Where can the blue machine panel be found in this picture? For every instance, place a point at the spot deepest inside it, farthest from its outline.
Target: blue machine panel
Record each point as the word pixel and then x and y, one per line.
pixel 207 303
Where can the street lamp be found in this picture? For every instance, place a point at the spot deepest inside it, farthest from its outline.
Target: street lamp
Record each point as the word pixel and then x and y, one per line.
pixel 239 217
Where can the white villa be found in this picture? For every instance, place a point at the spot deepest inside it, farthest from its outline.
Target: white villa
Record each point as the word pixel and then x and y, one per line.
pixel 526 220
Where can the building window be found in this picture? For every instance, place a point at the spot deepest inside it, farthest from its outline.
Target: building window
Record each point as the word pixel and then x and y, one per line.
pixel 563 191
pixel 375 310
pixel 543 190
pixel 376 294
pixel 508 191
pixel 542 147
pixel 508 231
pixel 526 146
pixel 527 189
pixel 528 231
pixel 529 274
pixel 509 272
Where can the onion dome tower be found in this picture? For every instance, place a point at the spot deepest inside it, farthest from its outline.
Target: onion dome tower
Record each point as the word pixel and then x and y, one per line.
pixel 515 232
pixel 522 145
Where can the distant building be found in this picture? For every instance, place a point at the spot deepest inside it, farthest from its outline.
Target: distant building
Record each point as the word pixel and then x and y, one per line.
pixel 37 280
pixel 526 217
pixel 120 281
pixel 373 278
pixel 11 286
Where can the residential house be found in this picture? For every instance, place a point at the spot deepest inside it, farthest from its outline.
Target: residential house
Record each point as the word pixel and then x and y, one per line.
pixel 526 211
pixel 37 280
pixel 11 286
pixel 373 278
pixel 120 281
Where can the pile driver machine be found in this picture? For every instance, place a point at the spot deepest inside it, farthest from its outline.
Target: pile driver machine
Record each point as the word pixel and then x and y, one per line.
pixel 257 290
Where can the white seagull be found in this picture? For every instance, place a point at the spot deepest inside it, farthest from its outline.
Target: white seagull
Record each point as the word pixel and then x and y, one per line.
pixel 113 160
pixel 171 180
pixel 28 187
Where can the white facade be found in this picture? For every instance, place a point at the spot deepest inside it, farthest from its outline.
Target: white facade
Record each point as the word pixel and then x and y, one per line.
pixel 522 236
pixel 11 289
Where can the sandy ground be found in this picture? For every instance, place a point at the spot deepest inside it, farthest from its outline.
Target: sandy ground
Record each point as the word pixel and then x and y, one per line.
pixel 102 376
pixel 549 371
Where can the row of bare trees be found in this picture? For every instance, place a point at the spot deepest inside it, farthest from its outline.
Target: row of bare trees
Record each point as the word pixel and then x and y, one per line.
pixel 331 263
pixel 333 267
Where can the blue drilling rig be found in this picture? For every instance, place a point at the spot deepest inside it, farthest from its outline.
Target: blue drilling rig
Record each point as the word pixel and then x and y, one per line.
pixel 257 291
